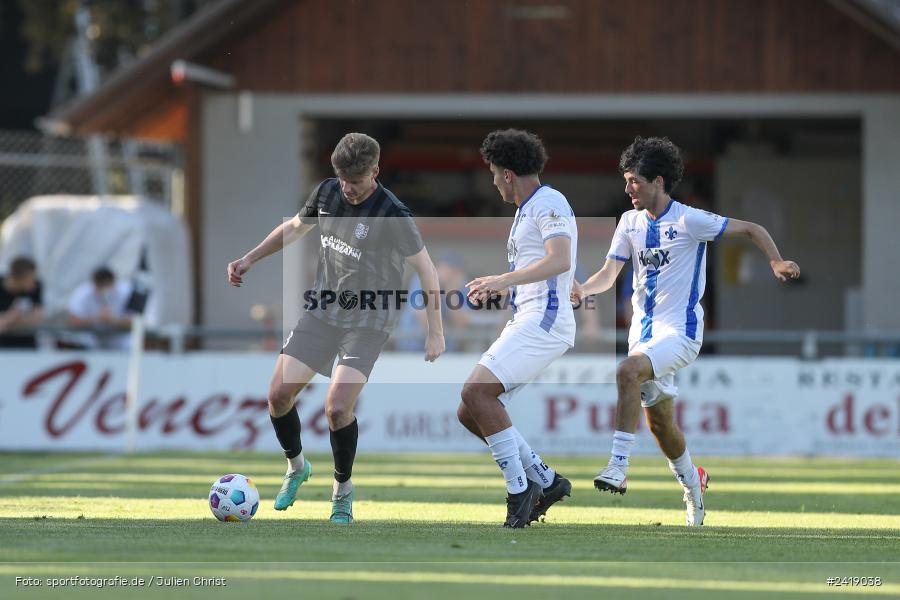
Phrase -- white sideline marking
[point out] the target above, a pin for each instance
(57, 468)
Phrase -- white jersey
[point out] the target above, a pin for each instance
(545, 214)
(669, 258)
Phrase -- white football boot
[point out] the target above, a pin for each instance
(611, 479)
(694, 499)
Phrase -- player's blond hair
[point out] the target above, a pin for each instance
(355, 156)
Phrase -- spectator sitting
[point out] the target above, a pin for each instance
(100, 304)
(20, 304)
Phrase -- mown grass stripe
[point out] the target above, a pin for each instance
(549, 580)
(490, 482)
(62, 507)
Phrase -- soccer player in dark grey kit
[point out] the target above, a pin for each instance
(367, 235)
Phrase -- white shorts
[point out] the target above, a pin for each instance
(521, 352)
(667, 354)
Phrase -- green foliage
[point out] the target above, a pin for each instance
(121, 29)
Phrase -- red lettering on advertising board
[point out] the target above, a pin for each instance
(874, 416)
(154, 411)
(600, 417)
(596, 412)
(216, 414)
(841, 418)
(558, 408)
(215, 405)
(115, 405)
(715, 418)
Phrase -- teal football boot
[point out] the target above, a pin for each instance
(288, 493)
(342, 508)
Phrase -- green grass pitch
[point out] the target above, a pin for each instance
(428, 527)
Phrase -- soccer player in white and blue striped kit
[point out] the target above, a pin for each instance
(541, 249)
(666, 240)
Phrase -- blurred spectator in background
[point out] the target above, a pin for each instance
(412, 324)
(100, 305)
(587, 319)
(20, 304)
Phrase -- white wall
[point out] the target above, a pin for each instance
(881, 215)
(727, 406)
(251, 182)
(811, 208)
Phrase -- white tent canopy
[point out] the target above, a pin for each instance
(68, 237)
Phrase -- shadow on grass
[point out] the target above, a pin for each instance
(445, 581)
(51, 539)
(490, 492)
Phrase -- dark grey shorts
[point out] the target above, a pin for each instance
(316, 344)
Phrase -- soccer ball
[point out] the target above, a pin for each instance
(233, 498)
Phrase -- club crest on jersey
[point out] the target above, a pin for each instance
(511, 250)
(654, 257)
(362, 230)
(671, 233)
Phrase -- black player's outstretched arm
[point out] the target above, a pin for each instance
(434, 341)
(286, 233)
(783, 269)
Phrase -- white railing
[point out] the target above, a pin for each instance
(808, 344)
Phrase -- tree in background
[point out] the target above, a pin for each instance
(120, 30)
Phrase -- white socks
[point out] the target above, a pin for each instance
(685, 471)
(297, 463)
(621, 449)
(341, 489)
(505, 450)
(534, 467)
(683, 467)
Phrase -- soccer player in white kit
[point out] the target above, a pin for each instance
(666, 240)
(541, 249)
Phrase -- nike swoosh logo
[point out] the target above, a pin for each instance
(349, 357)
(322, 212)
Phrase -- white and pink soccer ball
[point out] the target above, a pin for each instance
(233, 498)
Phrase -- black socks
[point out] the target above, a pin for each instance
(287, 430)
(343, 442)
(343, 446)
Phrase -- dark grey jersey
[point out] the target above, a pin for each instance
(362, 250)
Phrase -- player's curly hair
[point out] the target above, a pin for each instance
(522, 152)
(652, 157)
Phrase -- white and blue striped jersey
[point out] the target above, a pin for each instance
(543, 215)
(669, 257)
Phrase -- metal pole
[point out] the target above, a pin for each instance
(132, 392)
(810, 348)
(88, 78)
